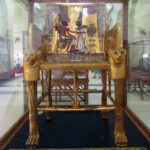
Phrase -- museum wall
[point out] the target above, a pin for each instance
(3, 18)
(114, 14)
(13, 20)
(17, 23)
(139, 27)
(138, 18)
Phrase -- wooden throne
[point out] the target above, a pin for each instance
(112, 63)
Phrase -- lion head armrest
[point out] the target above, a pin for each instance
(117, 63)
(114, 53)
(32, 60)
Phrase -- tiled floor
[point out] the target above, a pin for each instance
(12, 102)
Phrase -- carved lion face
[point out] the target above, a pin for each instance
(118, 56)
(31, 57)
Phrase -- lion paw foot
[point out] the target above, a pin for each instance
(121, 140)
(32, 141)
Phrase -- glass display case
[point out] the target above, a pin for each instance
(138, 64)
(139, 78)
(13, 106)
(80, 55)
(66, 41)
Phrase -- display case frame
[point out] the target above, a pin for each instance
(31, 76)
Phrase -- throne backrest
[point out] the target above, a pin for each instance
(35, 34)
(112, 40)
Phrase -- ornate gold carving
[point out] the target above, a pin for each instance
(109, 83)
(75, 65)
(112, 39)
(104, 93)
(120, 138)
(117, 63)
(75, 103)
(81, 108)
(44, 49)
(42, 84)
(33, 139)
(48, 92)
(31, 65)
(116, 57)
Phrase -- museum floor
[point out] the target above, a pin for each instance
(78, 130)
(12, 107)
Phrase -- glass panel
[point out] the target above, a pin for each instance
(69, 32)
(13, 100)
(75, 31)
(139, 60)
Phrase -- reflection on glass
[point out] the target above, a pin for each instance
(13, 24)
(139, 60)
(80, 26)
(74, 31)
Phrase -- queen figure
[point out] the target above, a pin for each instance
(81, 38)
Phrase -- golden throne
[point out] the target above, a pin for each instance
(112, 63)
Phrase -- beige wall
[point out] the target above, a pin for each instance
(3, 18)
(139, 12)
(115, 14)
(14, 22)
(18, 22)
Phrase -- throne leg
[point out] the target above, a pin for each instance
(33, 139)
(48, 96)
(42, 86)
(104, 93)
(75, 102)
(109, 83)
(119, 133)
